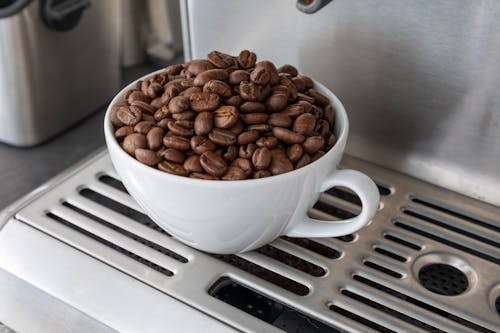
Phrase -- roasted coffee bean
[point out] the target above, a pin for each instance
(171, 90)
(306, 105)
(303, 161)
(280, 120)
(246, 151)
(304, 124)
(279, 163)
(235, 100)
(154, 138)
(317, 112)
(294, 152)
(280, 89)
(261, 158)
(248, 137)
(313, 143)
(238, 127)
(226, 116)
(238, 76)
(254, 118)
(294, 110)
(147, 156)
(221, 60)
(173, 168)
(192, 164)
(178, 104)
(234, 173)
(330, 141)
(203, 123)
(262, 128)
(113, 115)
(260, 76)
(212, 74)
(187, 83)
(222, 137)
(292, 90)
(276, 102)
(191, 91)
(261, 174)
(157, 103)
(269, 142)
(177, 129)
(143, 127)
(164, 123)
(161, 113)
(299, 84)
(218, 87)
(148, 117)
(307, 81)
(185, 123)
(134, 141)
(154, 90)
(186, 115)
(252, 107)
(213, 164)
(244, 164)
(288, 69)
(173, 155)
(317, 155)
(288, 136)
(271, 69)
(137, 95)
(203, 175)
(250, 91)
(197, 66)
(144, 107)
(329, 114)
(231, 153)
(304, 97)
(200, 145)
(322, 128)
(247, 59)
(129, 115)
(123, 131)
(204, 101)
(321, 99)
(173, 69)
(176, 142)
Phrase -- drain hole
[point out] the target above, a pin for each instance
(360, 319)
(443, 279)
(120, 208)
(334, 211)
(402, 242)
(314, 247)
(266, 309)
(389, 254)
(345, 194)
(497, 304)
(263, 273)
(382, 269)
(113, 182)
(291, 260)
(346, 238)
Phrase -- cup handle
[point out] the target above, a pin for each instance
(366, 190)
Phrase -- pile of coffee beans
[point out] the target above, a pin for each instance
(225, 117)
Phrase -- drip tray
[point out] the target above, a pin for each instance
(428, 261)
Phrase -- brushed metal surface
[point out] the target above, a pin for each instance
(377, 290)
(419, 80)
(51, 79)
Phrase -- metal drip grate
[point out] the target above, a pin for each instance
(395, 275)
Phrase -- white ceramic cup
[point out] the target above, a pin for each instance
(237, 216)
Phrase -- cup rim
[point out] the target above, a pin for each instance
(112, 143)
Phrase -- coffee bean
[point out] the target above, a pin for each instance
(254, 118)
(299, 84)
(329, 114)
(246, 151)
(235, 100)
(280, 89)
(322, 128)
(238, 76)
(178, 104)
(319, 97)
(204, 101)
(292, 90)
(154, 90)
(154, 138)
(226, 116)
(147, 156)
(250, 91)
(304, 124)
(222, 137)
(173, 69)
(280, 120)
(262, 128)
(172, 168)
(200, 145)
(252, 107)
(161, 113)
(279, 163)
(234, 173)
(330, 141)
(303, 161)
(304, 97)
(144, 107)
(202, 175)
(186, 115)
(176, 142)
(212, 74)
(113, 115)
(148, 117)
(143, 127)
(191, 91)
(213, 163)
(269, 142)
(221, 60)
(197, 66)
(129, 115)
(218, 87)
(308, 83)
(247, 59)
(134, 141)
(203, 123)
(293, 110)
(261, 158)
(164, 123)
(137, 95)
(173, 155)
(261, 174)
(317, 155)
(294, 152)
(177, 129)
(185, 123)
(231, 153)
(306, 105)
(271, 69)
(157, 103)
(192, 164)
(123, 131)
(317, 112)
(288, 69)
(313, 143)
(276, 102)
(287, 136)
(238, 128)
(244, 164)
(247, 137)
(260, 76)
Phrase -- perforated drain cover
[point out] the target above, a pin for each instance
(443, 279)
